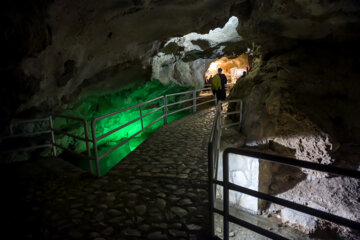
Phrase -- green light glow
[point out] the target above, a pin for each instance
(95, 106)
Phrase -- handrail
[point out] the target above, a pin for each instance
(180, 110)
(213, 154)
(227, 186)
(94, 140)
(290, 162)
(21, 135)
(164, 116)
(128, 139)
(296, 163)
(126, 109)
(177, 94)
(70, 135)
(86, 139)
(182, 101)
(127, 124)
(18, 122)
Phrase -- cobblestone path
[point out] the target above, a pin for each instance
(159, 191)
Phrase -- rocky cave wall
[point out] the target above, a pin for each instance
(60, 51)
(300, 103)
(57, 52)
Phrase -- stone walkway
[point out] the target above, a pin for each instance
(159, 191)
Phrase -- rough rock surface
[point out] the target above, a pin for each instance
(299, 103)
(57, 51)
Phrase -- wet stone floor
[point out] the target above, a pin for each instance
(159, 191)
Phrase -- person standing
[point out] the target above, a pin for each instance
(218, 84)
(223, 85)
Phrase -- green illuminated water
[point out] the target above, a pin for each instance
(95, 106)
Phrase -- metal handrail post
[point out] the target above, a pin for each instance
(86, 131)
(211, 189)
(141, 118)
(226, 195)
(220, 123)
(241, 110)
(194, 101)
(165, 109)
(52, 135)
(95, 147)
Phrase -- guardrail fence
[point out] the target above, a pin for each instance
(168, 104)
(14, 136)
(214, 148)
(214, 144)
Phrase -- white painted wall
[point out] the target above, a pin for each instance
(243, 171)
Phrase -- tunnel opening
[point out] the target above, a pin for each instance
(233, 68)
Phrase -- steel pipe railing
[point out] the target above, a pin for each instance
(213, 153)
(179, 102)
(85, 139)
(25, 135)
(165, 106)
(227, 186)
(95, 139)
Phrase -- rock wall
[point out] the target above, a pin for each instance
(59, 51)
(300, 103)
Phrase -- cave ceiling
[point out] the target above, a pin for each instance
(55, 50)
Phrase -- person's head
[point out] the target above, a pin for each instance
(244, 73)
(219, 70)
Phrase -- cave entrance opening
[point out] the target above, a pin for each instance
(233, 68)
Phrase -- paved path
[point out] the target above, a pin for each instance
(158, 192)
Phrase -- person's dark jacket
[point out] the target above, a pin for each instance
(222, 95)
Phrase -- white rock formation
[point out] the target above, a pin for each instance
(170, 68)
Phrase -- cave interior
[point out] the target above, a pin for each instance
(293, 63)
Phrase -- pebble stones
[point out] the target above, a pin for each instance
(180, 212)
(140, 209)
(157, 236)
(131, 232)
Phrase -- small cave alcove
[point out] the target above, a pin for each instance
(233, 67)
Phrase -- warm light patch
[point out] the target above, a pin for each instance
(233, 68)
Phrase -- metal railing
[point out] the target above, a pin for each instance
(214, 148)
(85, 139)
(168, 104)
(31, 134)
(227, 186)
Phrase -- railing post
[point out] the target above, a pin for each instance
(211, 189)
(226, 194)
(95, 147)
(241, 110)
(165, 109)
(86, 132)
(194, 101)
(141, 118)
(52, 136)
